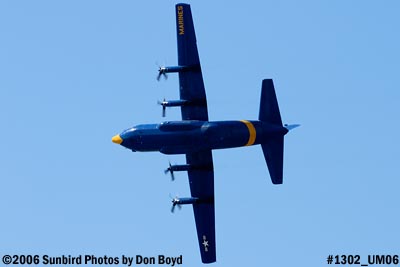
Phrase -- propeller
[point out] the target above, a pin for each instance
(175, 202)
(164, 107)
(169, 169)
(162, 72)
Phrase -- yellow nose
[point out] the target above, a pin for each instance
(117, 139)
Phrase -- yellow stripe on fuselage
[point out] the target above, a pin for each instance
(252, 132)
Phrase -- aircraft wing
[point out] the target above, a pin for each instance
(191, 85)
(201, 180)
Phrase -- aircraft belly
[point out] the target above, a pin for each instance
(173, 142)
(208, 136)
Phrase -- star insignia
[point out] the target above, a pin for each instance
(205, 243)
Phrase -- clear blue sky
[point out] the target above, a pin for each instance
(74, 73)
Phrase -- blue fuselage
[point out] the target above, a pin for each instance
(180, 137)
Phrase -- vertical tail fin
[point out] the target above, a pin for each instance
(273, 148)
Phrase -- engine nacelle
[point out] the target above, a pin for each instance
(177, 168)
(183, 201)
(180, 168)
(169, 69)
(162, 71)
(174, 103)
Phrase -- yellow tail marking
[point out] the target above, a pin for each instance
(252, 132)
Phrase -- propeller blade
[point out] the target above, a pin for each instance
(175, 202)
(169, 169)
(161, 71)
(175, 205)
(164, 107)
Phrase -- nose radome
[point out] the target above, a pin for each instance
(117, 139)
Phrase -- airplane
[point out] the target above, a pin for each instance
(195, 136)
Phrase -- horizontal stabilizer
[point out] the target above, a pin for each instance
(269, 109)
(273, 153)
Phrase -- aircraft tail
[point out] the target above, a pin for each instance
(273, 148)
